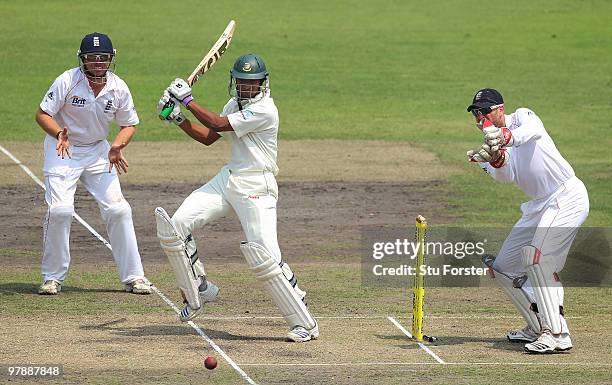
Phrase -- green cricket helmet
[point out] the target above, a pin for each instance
(249, 67)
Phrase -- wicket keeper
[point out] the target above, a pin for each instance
(518, 149)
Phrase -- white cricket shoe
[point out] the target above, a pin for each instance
(50, 287)
(210, 294)
(301, 334)
(139, 286)
(547, 343)
(526, 334)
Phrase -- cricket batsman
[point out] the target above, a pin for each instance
(518, 149)
(246, 185)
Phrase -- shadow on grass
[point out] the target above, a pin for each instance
(179, 329)
(495, 343)
(16, 288)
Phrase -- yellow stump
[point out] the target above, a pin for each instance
(418, 289)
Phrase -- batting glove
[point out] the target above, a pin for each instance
(181, 91)
(175, 116)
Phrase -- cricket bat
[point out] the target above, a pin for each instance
(209, 59)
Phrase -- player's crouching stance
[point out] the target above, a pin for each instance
(246, 184)
(76, 114)
(518, 149)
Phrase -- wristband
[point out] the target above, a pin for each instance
(57, 135)
(187, 100)
(507, 137)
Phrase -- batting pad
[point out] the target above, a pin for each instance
(546, 288)
(268, 271)
(185, 268)
(517, 295)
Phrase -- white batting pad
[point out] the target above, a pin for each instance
(547, 288)
(185, 269)
(517, 295)
(268, 271)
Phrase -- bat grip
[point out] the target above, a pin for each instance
(163, 115)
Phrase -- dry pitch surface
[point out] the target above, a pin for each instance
(102, 335)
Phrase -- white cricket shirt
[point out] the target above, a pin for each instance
(534, 164)
(254, 138)
(71, 102)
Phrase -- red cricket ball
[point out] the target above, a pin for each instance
(210, 363)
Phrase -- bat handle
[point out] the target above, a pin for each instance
(163, 115)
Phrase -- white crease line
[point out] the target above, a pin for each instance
(206, 338)
(157, 291)
(425, 348)
(41, 184)
(366, 364)
(263, 317)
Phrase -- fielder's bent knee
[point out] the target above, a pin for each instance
(117, 210)
(61, 211)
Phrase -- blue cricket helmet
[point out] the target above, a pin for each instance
(96, 43)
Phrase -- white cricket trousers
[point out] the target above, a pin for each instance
(550, 224)
(252, 195)
(89, 164)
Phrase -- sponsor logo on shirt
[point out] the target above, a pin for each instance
(78, 101)
(247, 114)
(50, 95)
(108, 106)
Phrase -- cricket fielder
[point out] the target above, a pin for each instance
(518, 149)
(76, 114)
(246, 185)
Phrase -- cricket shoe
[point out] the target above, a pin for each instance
(139, 286)
(209, 294)
(50, 287)
(301, 334)
(526, 334)
(547, 343)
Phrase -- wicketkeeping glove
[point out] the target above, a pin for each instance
(482, 154)
(497, 137)
(181, 91)
(496, 159)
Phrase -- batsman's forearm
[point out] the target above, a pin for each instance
(202, 134)
(47, 123)
(124, 136)
(208, 118)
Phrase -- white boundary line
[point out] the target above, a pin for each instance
(406, 332)
(157, 291)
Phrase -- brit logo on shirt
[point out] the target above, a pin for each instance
(78, 101)
(50, 95)
(108, 106)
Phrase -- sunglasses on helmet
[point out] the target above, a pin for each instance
(485, 110)
(96, 57)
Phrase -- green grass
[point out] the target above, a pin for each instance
(392, 70)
